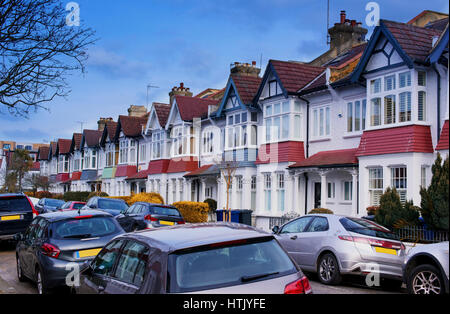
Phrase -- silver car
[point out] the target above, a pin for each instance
(425, 269)
(220, 258)
(332, 246)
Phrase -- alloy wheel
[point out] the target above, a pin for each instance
(426, 282)
(327, 268)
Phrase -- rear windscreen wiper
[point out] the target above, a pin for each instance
(78, 236)
(256, 277)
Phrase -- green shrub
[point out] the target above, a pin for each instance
(43, 194)
(321, 211)
(76, 196)
(193, 212)
(100, 194)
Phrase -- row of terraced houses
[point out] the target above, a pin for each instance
(332, 133)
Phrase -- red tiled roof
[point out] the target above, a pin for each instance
(187, 164)
(329, 158)
(191, 107)
(162, 112)
(295, 75)
(158, 166)
(406, 139)
(132, 126)
(36, 166)
(443, 140)
(415, 41)
(198, 171)
(92, 137)
(280, 152)
(76, 176)
(140, 175)
(43, 153)
(111, 127)
(61, 177)
(64, 146)
(77, 137)
(125, 171)
(247, 86)
(53, 146)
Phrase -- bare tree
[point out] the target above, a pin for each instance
(228, 170)
(37, 52)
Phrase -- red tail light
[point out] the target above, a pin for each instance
(32, 207)
(84, 217)
(373, 242)
(50, 250)
(181, 222)
(301, 286)
(150, 218)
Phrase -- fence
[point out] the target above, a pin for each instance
(277, 221)
(422, 235)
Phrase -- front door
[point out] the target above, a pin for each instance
(317, 194)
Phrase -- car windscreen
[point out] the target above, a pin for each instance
(54, 203)
(214, 267)
(13, 204)
(112, 204)
(84, 228)
(166, 211)
(368, 228)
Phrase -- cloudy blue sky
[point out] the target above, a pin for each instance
(165, 42)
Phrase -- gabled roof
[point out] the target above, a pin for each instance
(245, 88)
(43, 152)
(53, 146)
(440, 47)
(162, 112)
(131, 126)
(292, 76)
(76, 142)
(412, 43)
(438, 24)
(63, 146)
(91, 138)
(109, 132)
(190, 108)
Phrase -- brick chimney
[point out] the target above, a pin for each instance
(343, 36)
(245, 69)
(137, 111)
(346, 34)
(180, 91)
(102, 123)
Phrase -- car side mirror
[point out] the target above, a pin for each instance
(86, 268)
(276, 229)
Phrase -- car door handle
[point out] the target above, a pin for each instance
(294, 238)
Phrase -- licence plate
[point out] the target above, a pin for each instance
(386, 251)
(167, 223)
(10, 218)
(87, 253)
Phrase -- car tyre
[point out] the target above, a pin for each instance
(20, 274)
(328, 270)
(40, 282)
(425, 279)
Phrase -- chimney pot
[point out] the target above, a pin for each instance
(343, 16)
(181, 85)
(254, 63)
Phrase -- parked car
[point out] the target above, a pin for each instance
(16, 214)
(142, 216)
(109, 205)
(333, 245)
(72, 205)
(48, 205)
(425, 269)
(55, 240)
(210, 258)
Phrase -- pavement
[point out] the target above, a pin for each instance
(9, 283)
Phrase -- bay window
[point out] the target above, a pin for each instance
(375, 185)
(142, 152)
(281, 191)
(238, 132)
(183, 142)
(110, 154)
(399, 181)
(405, 107)
(157, 144)
(389, 109)
(268, 191)
(123, 151)
(132, 152)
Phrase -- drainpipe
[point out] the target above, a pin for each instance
(438, 101)
(307, 125)
(306, 192)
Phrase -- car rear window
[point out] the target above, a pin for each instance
(368, 228)
(84, 228)
(112, 204)
(15, 203)
(216, 267)
(78, 206)
(166, 211)
(53, 203)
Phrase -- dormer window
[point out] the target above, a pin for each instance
(157, 144)
(274, 88)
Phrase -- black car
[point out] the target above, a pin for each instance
(210, 258)
(48, 205)
(109, 205)
(56, 242)
(16, 214)
(142, 216)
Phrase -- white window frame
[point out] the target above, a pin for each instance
(358, 121)
(321, 122)
(399, 181)
(376, 185)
